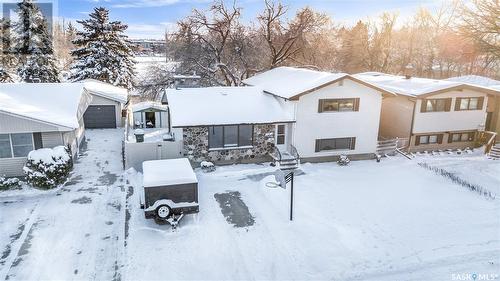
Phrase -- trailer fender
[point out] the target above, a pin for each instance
(171, 204)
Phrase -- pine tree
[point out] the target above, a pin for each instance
(33, 45)
(39, 68)
(6, 58)
(103, 51)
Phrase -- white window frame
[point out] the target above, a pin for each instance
(12, 146)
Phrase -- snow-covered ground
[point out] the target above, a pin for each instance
(368, 221)
(143, 64)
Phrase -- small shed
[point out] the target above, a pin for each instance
(150, 114)
(169, 186)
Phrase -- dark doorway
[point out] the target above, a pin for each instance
(150, 120)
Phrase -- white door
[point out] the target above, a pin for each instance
(281, 137)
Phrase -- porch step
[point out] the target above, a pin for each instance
(405, 154)
(495, 152)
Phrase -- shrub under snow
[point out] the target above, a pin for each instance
(48, 167)
(6, 184)
(207, 167)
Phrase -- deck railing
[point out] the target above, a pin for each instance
(488, 139)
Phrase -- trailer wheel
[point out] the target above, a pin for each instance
(163, 212)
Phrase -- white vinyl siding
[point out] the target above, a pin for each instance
(13, 124)
(52, 139)
(312, 125)
(12, 167)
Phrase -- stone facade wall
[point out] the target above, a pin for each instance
(196, 147)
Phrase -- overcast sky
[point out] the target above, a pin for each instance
(150, 18)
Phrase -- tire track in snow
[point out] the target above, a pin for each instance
(15, 251)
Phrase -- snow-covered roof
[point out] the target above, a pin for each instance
(54, 103)
(167, 172)
(288, 82)
(413, 86)
(148, 105)
(226, 106)
(106, 90)
(476, 80)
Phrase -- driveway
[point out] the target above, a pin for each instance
(76, 231)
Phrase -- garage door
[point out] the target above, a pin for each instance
(100, 116)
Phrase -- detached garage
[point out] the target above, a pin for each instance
(105, 110)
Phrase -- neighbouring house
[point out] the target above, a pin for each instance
(493, 108)
(286, 113)
(431, 114)
(41, 115)
(107, 107)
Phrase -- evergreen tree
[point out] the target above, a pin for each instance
(33, 45)
(39, 68)
(6, 58)
(103, 51)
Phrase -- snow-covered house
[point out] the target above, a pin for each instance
(431, 114)
(493, 106)
(298, 112)
(227, 124)
(41, 115)
(108, 102)
(335, 113)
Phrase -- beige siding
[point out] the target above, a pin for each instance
(14, 124)
(494, 106)
(395, 118)
(12, 167)
(98, 100)
(51, 139)
(452, 120)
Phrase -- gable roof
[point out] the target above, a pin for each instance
(140, 106)
(54, 103)
(106, 90)
(290, 83)
(226, 106)
(418, 87)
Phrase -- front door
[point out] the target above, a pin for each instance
(281, 139)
